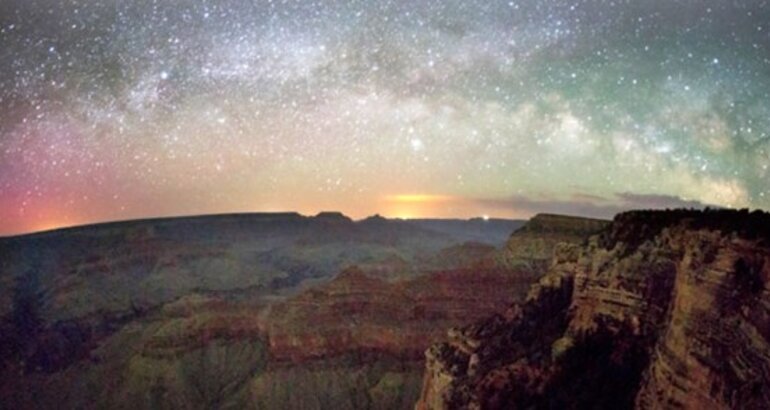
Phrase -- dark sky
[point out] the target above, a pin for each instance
(125, 109)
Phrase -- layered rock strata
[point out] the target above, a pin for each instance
(664, 309)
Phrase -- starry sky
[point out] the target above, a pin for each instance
(113, 110)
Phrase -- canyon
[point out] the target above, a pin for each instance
(233, 310)
(655, 309)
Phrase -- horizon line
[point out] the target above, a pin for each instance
(98, 223)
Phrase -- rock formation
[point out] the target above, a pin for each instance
(665, 309)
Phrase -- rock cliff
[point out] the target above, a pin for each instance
(665, 309)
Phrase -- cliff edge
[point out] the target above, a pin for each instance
(663, 309)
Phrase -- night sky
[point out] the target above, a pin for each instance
(114, 110)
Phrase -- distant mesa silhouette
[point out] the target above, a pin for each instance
(333, 216)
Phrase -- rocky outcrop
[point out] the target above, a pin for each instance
(534, 243)
(664, 309)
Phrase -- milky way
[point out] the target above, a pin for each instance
(116, 110)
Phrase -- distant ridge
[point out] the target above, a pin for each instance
(543, 223)
(333, 216)
(242, 217)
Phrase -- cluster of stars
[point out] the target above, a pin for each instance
(113, 110)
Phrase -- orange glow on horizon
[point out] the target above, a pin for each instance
(411, 206)
(53, 224)
(42, 218)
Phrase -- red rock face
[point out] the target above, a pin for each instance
(357, 312)
(714, 353)
(662, 310)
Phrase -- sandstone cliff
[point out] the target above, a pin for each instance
(664, 309)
